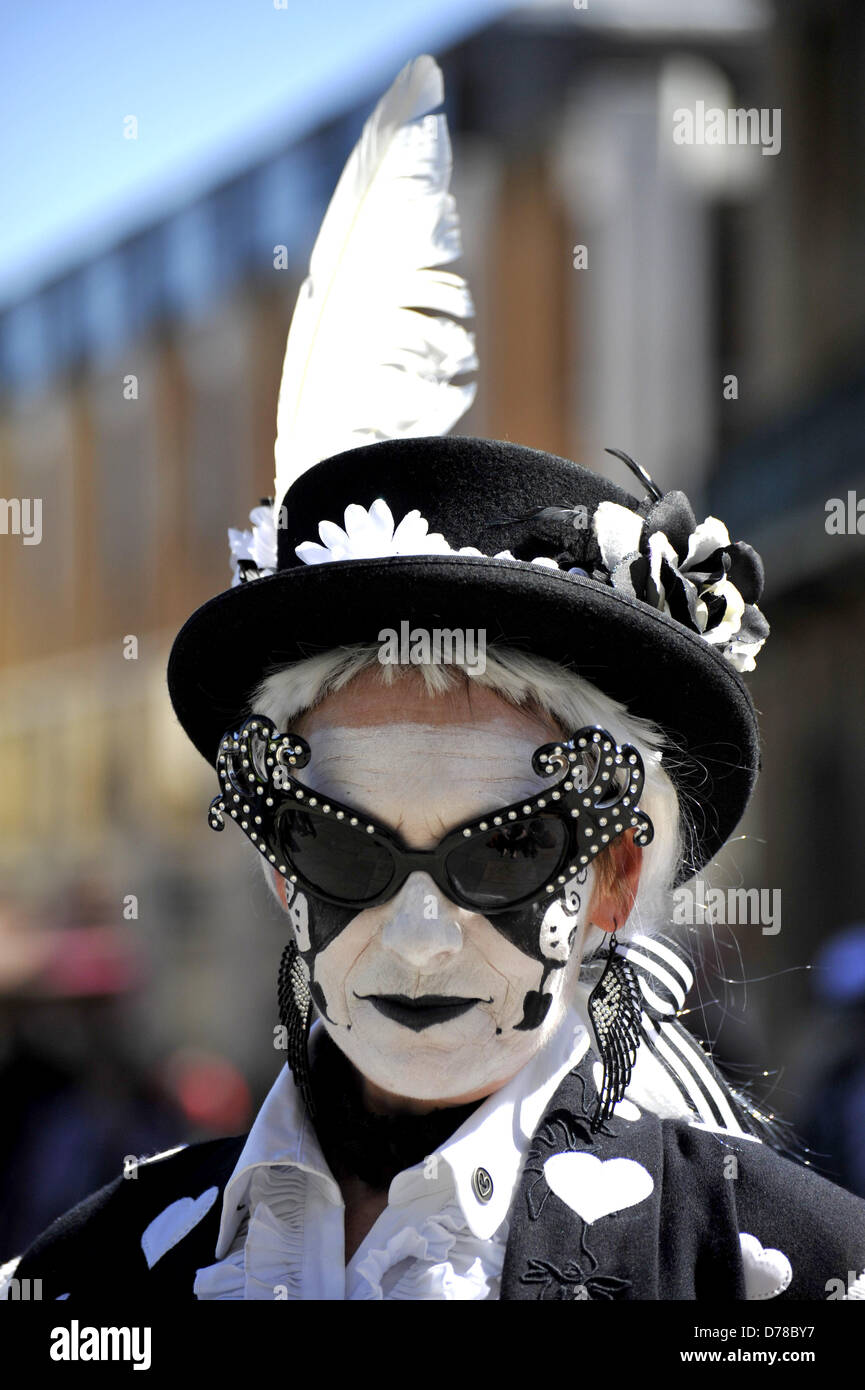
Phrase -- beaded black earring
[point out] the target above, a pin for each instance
(295, 1015)
(615, 1009)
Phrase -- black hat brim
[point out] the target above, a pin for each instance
(652, 664)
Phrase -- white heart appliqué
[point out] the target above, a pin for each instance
(173, 1223)
(594, 1189)
(767, 1272)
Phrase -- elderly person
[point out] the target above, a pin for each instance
(475, 735)
(488, 1095)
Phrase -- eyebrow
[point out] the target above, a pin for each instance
(439, 825)
(444, 830)
(324, 761)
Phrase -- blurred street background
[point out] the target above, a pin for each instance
(712, 325)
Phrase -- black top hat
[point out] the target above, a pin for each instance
(633, 595)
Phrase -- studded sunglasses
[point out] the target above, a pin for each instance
(492, 863)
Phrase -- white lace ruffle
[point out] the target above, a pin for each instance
(223, 1280)
(266, 1257)
(439, 1260)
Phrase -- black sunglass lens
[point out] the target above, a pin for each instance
(508, 864)
(335, 857)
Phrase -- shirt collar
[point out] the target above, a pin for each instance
(494, 1139)
(483, 1156)
(282, 1134)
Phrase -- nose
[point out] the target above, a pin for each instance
(421, 923)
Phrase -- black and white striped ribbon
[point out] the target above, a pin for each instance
(665, 979)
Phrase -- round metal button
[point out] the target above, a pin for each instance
(482, 1184)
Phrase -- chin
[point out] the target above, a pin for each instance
(420, 1068)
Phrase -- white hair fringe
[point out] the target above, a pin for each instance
(525, 680)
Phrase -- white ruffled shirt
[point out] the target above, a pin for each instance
(282, 1233)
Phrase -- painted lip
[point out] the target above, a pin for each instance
(423, 1010)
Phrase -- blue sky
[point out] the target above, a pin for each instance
(213, 85)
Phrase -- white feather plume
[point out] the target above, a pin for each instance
(361, 363)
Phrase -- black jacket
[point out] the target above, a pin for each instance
(681, 1212)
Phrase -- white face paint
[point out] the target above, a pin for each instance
(422, 779)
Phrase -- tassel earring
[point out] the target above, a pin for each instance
(295, 1015)
(615, 1009)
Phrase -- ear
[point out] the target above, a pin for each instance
(611, 905)
(279, 884)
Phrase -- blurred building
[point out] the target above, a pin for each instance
(139, 401)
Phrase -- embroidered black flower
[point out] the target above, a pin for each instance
(570, 1284)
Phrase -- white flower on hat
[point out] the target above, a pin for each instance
(710, 535)
(364, 535)
(257, 546)
(367, 534)
(373, 533)
(731, 621)
(618, 531)
(741, 654)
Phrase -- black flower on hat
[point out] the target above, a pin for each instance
(695, 573)
(660, 556)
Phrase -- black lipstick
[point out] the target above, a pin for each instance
(422, 1011)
